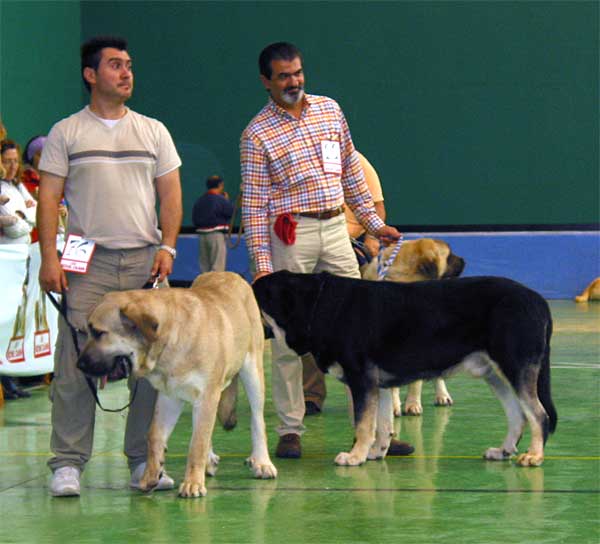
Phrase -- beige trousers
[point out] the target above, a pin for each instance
(321, 245)
(73, 406)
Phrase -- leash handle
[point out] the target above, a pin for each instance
(61, 308)
(383, 267)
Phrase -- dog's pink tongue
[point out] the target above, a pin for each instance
(103, 381)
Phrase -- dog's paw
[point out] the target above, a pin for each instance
(412, 408)
(496, 454)
(212, 463)
(377, 452)
(149, 480)
(262, 469)
(190, 489)
(443, 400)
(348, 459)
(530, 460)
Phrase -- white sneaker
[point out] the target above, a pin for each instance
(165, 482)
(65, 482)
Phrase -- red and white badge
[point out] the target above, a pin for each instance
(41, 344)
(77, 254)
(332, 158)
(15, 353)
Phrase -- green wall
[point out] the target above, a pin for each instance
(39, 65)
(472, 112)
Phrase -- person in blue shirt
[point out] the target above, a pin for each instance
(211, 215)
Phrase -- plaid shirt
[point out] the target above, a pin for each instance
(282, 171)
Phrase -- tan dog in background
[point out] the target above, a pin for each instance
(190, 344)
(418, 260)
(591, 292)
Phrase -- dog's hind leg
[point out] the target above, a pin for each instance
(204, 415)
(514, 414)
(385, 425)
(442, 397)
(252, 377)
(365, 413)
(536, 416)
(166, 413)
(397, 403)
(412, 404)
(479, 365)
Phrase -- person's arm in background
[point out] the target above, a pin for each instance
(52, 276)
(168, 188)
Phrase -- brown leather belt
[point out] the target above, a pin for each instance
(323, 215)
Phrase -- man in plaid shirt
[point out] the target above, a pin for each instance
(299, 166)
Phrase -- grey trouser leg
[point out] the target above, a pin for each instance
(213, 252)
(73, 406)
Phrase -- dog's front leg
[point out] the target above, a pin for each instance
(203, 416)
(166, 413)
(385, 425)
(365, 414)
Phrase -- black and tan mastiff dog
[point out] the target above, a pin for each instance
(373, 335)
(190, 344)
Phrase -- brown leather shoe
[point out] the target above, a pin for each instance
(289, 447)
(398, 448)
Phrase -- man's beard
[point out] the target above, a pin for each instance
(292, 99)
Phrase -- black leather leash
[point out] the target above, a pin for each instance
(62, 310)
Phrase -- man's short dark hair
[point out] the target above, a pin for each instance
(276, 51)
(91, 52)
(213, 182)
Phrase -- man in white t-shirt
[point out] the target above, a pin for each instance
(110, 163)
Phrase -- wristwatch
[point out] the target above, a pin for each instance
(170, 250)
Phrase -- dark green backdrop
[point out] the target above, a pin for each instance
(472, 112)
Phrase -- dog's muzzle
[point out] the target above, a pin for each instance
(119, 369)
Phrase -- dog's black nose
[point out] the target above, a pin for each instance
(83, 363)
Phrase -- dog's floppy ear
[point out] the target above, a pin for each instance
(429, 269)
(133, 316)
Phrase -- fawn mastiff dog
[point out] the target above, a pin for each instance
(374, 335)
(418, 260)
(190, 344)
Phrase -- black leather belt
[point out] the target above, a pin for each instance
(328, 214)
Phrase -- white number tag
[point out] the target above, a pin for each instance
(332, 158)
(77, 254)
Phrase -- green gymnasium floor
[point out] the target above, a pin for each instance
(445, 492)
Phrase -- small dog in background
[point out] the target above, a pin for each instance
(591, 292)
(418, 260)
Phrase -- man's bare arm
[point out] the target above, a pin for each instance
(52, 276)
(168, 188)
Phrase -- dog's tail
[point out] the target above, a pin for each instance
(226, 412)
(543, 386)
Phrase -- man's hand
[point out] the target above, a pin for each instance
(388, 234)
(163, 265)
(52, 276)
(372, 245)
(259, 275)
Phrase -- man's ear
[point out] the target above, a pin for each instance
(89, 74)
(137, 319)
(266, 82)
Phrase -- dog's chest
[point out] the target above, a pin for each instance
(187, 388)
